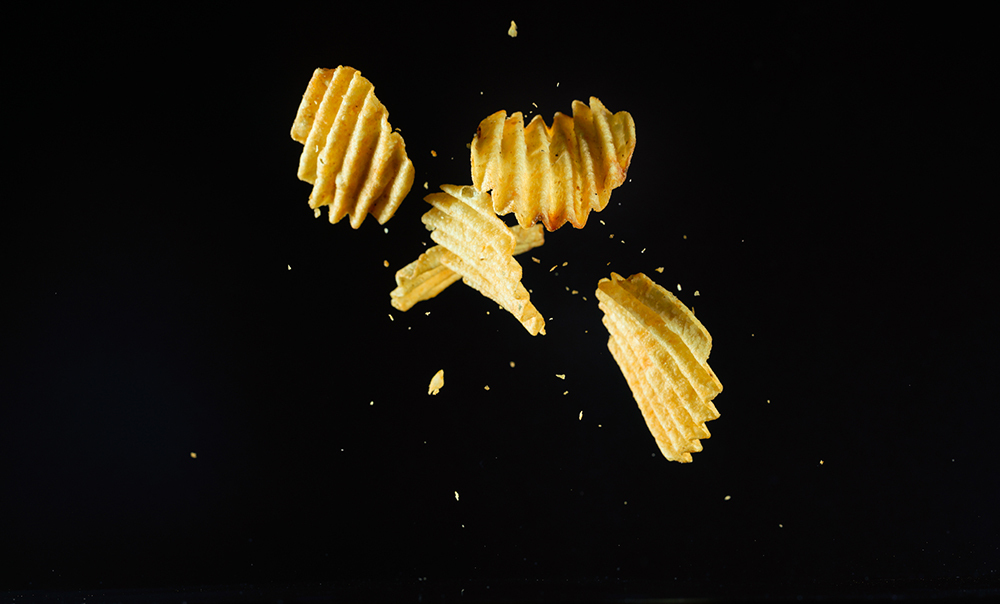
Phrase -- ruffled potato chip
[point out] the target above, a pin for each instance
(553, 174)
(475, 244)
(662, 350)
(355, 162)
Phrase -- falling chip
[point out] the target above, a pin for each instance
(659, 270)
(390, 317)
(512, 32)
(512, 363)
(437, 382)
(678, 287)
(727, 498)
(386, 263)
(561, 376)
(696, 293)
(581, 415)
(289, 267)
(194, 455)
(456, 499)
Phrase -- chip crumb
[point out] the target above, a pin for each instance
(425, 184)
(781, 526)
(427, 313)
(727, 497)
(565, 393)
(386, 230)
(685, 236)
(512, 32)
(533, 104)
(386, 263)
(194, 455)
(536, 260)
(289, 267)
(574, 292)
(315, 212)
(561, 376)
(581, 415)
(643, 251)
(512, 363)
(371, 403)
(768, 401)
(554, 267)
(390, 317)
(696, 293)
(678, 287)
(821, 462)
(456, 499)
(486, 387)
(659, 270)
(437, 382)
(565, 263)
(433, 153)
(611, 236)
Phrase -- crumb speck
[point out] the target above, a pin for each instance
(433, 153)
(425, 184)
(194, 455)
(386, 263)
(512, 32)
(486, 387)
(390, 317)
(727, 498)
(456, 499)
(659, 270)
(561, 376)
(512, 363)
(289, 267)
(696, 293)
(678, 287)
(536, 260)
(581, 415)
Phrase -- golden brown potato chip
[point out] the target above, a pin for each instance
(437, 382)
(426, 277)
(354, 160)
(662, 350)
(474, 243)
(556, 173)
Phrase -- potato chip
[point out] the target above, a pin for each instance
(426, 277)
(553, 174)
(474, 243)
(437, 382)
(354, 160)
(662, 350)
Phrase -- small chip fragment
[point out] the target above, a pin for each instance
(456, 495)
(512, 32)
(437, 382)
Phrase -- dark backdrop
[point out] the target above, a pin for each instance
(819, 174)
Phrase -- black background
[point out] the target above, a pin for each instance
(821, 176)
